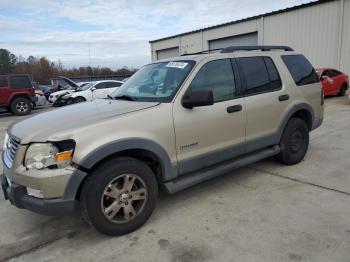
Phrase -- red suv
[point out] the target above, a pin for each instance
(333, 81)
(16, 94)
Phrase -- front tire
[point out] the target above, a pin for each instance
(294, 142)
(79, 99)
(21, 106)
(119, 196)
(343, 89)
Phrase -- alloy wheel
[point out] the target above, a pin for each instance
(124, 198)
(22, 107)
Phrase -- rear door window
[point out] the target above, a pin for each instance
(275, 80)
(113, 84)
(301, 69)
(20, 82)
(3, 82)
(260, 74)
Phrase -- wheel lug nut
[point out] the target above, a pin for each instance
(126, 202)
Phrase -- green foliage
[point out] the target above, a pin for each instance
(42, 70)
(7, 61)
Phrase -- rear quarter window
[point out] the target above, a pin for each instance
(301, 69)
(20, 82)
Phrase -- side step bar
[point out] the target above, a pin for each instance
(196, 177)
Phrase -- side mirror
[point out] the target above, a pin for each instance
(93, 89)
(198, 98)
(324, 77)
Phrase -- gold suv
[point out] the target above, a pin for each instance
(173, 124)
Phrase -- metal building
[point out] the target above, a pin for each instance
(320, 30)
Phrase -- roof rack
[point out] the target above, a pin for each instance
(231, 49)
(203, 52)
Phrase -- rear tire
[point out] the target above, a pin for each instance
(294, 142)
(343, 89)
(119, 196)
(21, 106)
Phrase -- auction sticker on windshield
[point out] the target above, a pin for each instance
(180, 65)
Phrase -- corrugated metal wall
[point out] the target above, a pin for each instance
(315, 31)
(311, 30)
(345, 43)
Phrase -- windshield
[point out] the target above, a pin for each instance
(155, 82)
(87, 86)
(71, 88)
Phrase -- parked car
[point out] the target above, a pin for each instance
(333, 81)
(173, 124)
(69, 88)
(66, 90)
(16, 94)
(69, 83)
(91, 91)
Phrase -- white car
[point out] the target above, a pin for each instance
(74, 86)
(52, 98)
(93, 90)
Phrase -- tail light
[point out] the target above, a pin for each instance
(322, 96)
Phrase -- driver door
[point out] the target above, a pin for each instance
(327, 83)
(100, 91)
(211, 134)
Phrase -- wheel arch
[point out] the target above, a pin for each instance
(145, 150)
(19, 95)
(303, 111)
(80, 96)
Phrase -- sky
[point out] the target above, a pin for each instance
(115, 31)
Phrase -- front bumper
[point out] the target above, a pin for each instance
(18, 197)
(61, 102)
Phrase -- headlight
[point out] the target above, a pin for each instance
(66, 96)
(6, 139)
(43, 155)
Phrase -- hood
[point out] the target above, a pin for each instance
(69, 81)
(80, 93)
(59, 93)
(40, 127)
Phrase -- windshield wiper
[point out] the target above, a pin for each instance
(123, 97)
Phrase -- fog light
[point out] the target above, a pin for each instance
(35, 192)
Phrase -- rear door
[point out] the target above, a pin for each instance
(327, 83)
(265, 97)
(337, 78)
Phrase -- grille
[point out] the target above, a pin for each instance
(10, 151)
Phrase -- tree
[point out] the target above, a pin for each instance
(7, 61)
(42, 69)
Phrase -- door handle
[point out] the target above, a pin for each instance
(283, 97)
(235, 108)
